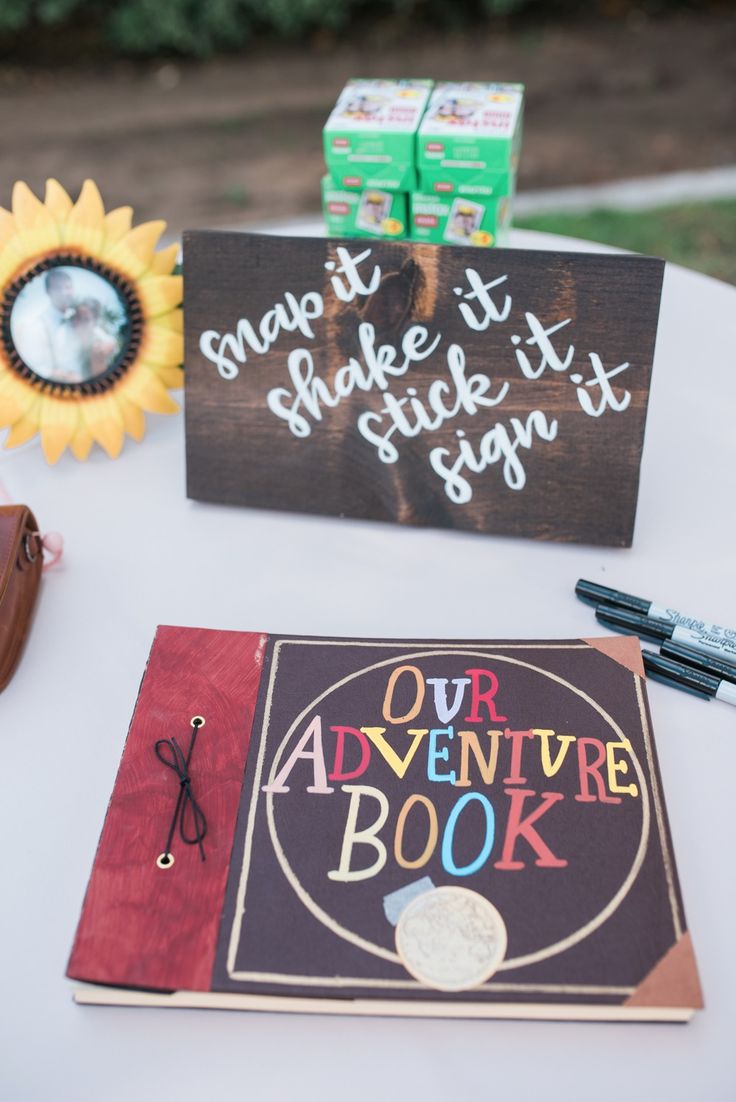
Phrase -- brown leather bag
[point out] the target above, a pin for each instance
(21, 561)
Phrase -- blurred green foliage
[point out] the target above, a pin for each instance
(701, 236)
(188, 27)
(199, 28)
(194, 28)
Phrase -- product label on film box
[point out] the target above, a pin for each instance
(455, 220)
(390, 177)
(374, 212)
(470, 183)
(372, 130)
(471, 127)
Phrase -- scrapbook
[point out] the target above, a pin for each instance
(395, 827)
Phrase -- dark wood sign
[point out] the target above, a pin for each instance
(499, 391)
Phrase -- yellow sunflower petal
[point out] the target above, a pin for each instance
(16, 398)
(158, 294)
(82, 441)
(105, 421)
(161, 346)
(85, 222)
(58, 422)
(117, 224)
(145, 389)
(9, 260)
(172, 377)
(24, 429)
(57, 201)
(8, 378)
(134, 252)
(27, 209)
(133, 418)
(41, 239)
(165, 260)
(173, 320)
(37, 229)
(7, 227)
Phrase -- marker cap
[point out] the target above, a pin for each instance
(726, 691)
(594, 594)
(679, 676)
(699, 660)
(619, 619)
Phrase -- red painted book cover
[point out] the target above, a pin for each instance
(393, 827)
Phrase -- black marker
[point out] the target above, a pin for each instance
(631, 623)
(688, 679)
(594, 594)
(723, 670)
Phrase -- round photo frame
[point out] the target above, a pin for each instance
(78, 346)
(90, 322)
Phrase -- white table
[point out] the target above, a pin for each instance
(139, 554)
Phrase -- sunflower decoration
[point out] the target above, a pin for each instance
(90, 322)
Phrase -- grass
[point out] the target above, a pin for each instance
(236, 196)
(697, 235)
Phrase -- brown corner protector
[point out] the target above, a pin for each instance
(673, 981)
(624, 649)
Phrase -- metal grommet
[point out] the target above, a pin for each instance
(197, 721)
(31, 556)
(165, 860)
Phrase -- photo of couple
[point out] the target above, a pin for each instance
(463, 221)
(456, 110)
(67, 325)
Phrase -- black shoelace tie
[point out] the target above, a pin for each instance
(188, 815)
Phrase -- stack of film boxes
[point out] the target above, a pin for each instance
(467, 155)
(370, 152)
(438, 164)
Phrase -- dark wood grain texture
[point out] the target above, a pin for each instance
(157, 928)
(581, 486)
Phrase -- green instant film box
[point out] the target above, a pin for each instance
(485, 185)
(470, 130)
(373, 212)
(369, 139)
(455, 220)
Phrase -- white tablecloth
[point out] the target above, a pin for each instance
(138, 553)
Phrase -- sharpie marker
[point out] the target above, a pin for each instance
(594, 594)
(689, 680)
(715, 667)
(631, 623)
